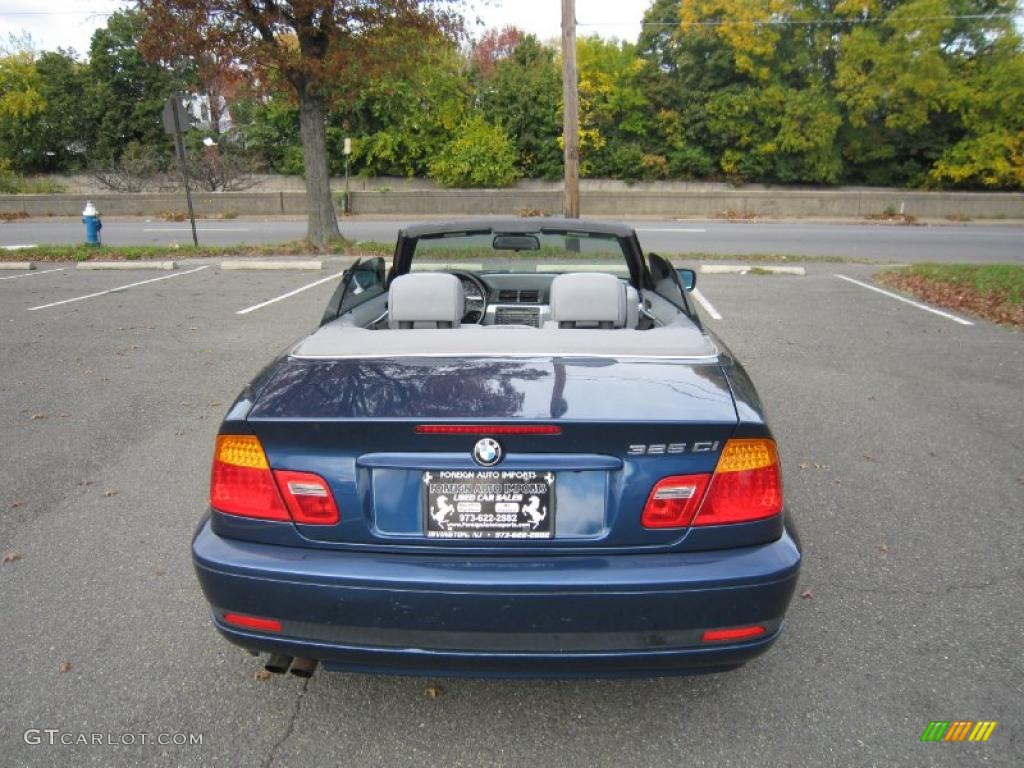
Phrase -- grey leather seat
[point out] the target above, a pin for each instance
(592, 300)
(425, 300)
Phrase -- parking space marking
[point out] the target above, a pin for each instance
(708, 306)
(288, 295)
(115, 290)
(671, 229)
(200, 230)
(17, 247)
(905, 300)
(33, 273)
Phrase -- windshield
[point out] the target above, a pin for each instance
(520, 252)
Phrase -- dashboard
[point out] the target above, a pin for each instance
(505, 299)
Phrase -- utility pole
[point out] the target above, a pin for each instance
(570, 109)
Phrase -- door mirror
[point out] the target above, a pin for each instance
(360, 282)
(687, 278)
(366, 276)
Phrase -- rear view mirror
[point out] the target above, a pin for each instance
(687, 278)
(516, 243)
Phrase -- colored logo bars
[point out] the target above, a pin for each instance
(958, 730)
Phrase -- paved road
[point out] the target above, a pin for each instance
(901, 434)
(888, 243)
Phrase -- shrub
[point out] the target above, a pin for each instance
(480, 155)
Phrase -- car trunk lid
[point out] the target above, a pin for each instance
(612, 429)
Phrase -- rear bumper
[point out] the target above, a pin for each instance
(560, 616)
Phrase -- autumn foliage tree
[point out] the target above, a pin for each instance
(316, 50)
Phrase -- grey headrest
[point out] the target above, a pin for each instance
(588, 299)
(431, 298)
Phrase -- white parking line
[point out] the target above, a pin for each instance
(16, 247)
(115, 290)
(706, 304)
(670, 229)
(199, 230)
(33, 274)
(905, 300)
(288, 295)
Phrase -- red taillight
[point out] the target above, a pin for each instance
(746, 486)
(487, 429)
(307, 496)
(241, 482)
(734, 633)
(673, 501)
(252, 622)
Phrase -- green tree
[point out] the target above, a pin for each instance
(21, 100)
(522, 92)
(60, 134)
(400, 123)
(127, 92)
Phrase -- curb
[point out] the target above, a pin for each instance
(309, 265)
(16, 265)
(127, 265)
(728, 269)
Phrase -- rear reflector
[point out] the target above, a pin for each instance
(252, 622)
(241, 482)
(734, 633)
(308, 497)
(487, 429)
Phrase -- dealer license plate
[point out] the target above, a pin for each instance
(489, 505)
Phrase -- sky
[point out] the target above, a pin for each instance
(70, 23)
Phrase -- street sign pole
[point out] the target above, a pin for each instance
(174, 107)
(348, 157)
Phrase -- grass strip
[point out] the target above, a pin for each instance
(992, 291)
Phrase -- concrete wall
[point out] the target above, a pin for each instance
(611, 200)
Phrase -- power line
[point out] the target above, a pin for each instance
(57, 13)
(803, 22)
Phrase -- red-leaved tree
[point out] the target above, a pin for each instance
(315, 49)
(495, 45)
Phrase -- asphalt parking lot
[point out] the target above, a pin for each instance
(902, 436)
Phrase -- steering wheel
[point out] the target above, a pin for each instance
(475, 292)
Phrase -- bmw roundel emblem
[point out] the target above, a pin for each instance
(487, 452)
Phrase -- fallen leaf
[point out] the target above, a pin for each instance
(38, 416)
(837, 482)
(86, 483)
(869, 457)
(807, 594)
(433, 691)
(19, 503)
(804, 465)
(883, 548)
(64, 666)
(261, 675)
(10, 556)
(111, 492)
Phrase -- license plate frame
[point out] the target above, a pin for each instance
(491, 505)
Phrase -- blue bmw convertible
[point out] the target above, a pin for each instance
(514, 451)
